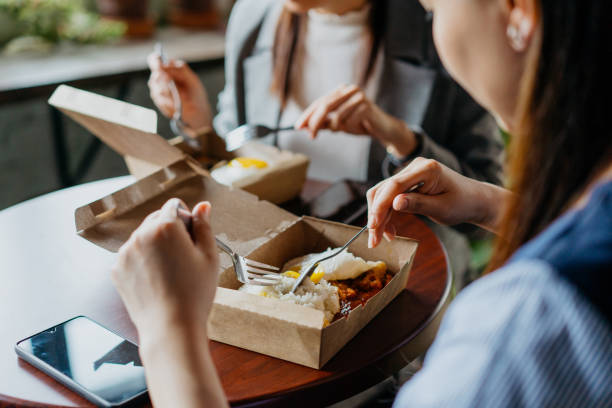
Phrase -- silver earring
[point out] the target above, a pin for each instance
(517, 38)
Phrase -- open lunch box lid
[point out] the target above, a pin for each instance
(131, 131)
(250, 226)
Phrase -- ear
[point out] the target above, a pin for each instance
(523, 20)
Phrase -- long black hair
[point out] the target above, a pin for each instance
(564, 138)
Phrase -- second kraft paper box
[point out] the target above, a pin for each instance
(131, 131)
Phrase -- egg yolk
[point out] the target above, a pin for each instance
(317, 275)
(246, 162)
(292, 274)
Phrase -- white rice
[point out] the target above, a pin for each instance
(321, 296)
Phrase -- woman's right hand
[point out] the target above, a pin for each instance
(446, 197)
(196, 112)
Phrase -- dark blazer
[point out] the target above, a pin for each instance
(414, 87)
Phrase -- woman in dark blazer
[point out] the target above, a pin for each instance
(406, 86)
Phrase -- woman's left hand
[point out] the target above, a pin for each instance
(167, 280)
(163, 276)
(349, 110)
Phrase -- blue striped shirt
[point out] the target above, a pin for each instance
(536, 333)
(520, 337)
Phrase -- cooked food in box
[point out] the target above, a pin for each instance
(238, 169)
(337, 285)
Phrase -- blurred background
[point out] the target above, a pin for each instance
(97, 45)
(100, 46)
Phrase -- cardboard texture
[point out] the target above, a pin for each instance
(131, 131)
(252, 227)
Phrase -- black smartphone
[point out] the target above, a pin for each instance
(89, 359)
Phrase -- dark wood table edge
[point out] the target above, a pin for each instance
(296, 396)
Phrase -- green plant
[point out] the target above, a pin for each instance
(56, 20)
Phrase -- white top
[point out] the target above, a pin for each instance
(333, 51)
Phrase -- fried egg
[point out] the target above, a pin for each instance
(316, 292)
(345, 265)
(238, 169)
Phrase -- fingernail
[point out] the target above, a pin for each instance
(402, 204)
(207, 213)
(203, 211)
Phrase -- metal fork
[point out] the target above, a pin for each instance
(250, 271)
(314, 264)
(247, 270)
(242, 134)
(176, 121)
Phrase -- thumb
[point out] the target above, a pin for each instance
(202, 232)
(423, 204)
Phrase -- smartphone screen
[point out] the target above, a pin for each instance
(97, 360)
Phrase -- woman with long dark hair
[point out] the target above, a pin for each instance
(535, 332)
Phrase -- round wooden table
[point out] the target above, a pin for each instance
(50, 274)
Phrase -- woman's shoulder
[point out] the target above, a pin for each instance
(525, 292)
(522, 336)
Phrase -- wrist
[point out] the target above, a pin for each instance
(490, 208)
(198, 114)
(403, 142)
(168, 326)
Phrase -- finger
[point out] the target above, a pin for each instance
(204, 238)
(346, 109)
(169, 210)
(382, 201)
(423, 204)
(161, 94)
(164, 104)
(154, 61)
(354, 122)
(180, 72)
(305, 117)
(381, 208)
(319, 117)
(370, 196)
(154, 215)
(379, 232)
